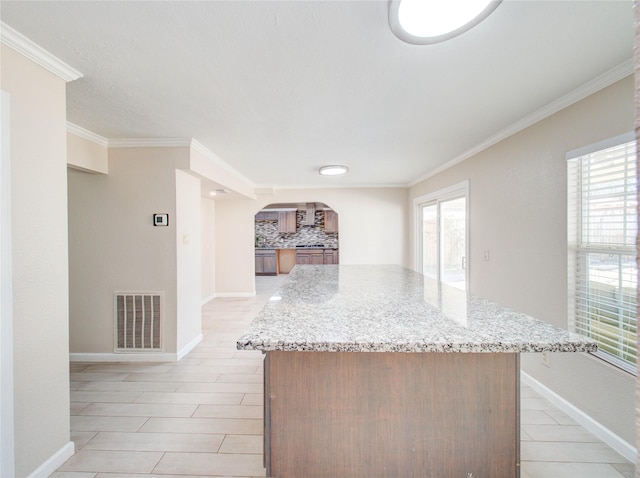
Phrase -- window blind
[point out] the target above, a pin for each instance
(602, 195)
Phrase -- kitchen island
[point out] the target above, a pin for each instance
(376, 371)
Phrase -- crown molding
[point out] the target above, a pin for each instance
(37, 54)
(176, 143)
(88, 135)
(200, 148)
(150, 143)
(606, 79)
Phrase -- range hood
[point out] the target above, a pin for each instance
(310, 217)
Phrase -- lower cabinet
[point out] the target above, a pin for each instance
(266, 262)
(331, 256)
(317, 256)
(310, 256)
(271, 262)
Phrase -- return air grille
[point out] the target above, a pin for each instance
(138, 318)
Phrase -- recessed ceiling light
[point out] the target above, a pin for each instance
(212, 193)
(333, 170)
(423, 22)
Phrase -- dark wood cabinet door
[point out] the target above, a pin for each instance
(451, 415)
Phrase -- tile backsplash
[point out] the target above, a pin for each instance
(267, 234)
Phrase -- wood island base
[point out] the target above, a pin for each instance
(384, 414)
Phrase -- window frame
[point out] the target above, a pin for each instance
(578, 250)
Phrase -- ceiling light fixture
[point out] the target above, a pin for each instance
(333, 170)
(421, 22)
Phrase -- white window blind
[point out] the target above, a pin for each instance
(603, 274)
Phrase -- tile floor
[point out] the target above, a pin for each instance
(202, 416)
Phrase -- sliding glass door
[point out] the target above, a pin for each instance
(453, 246)
(443, 236)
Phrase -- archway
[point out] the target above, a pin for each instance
(287, 234)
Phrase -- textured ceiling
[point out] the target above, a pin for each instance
(278, 89)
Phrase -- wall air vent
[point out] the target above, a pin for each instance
(138, 319)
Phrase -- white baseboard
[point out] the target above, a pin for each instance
(607, 436)
(54, 462)
(208, 299)
(236, 294)
(132, 357)
(189, 347)
(136, 356)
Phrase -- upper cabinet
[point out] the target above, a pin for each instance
(330, 221)
(286, 221)
(267, 216)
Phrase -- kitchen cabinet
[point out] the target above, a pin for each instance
(330, 221)
(310, 256)
(287, 221)
(266, 262)
(317, 256)
(267, 216)
(331, 256)
(317, 259)
(303, 258)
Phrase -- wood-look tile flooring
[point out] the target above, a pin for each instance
(202, 416)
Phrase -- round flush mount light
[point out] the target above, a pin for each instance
(423, 22)
(333, 170)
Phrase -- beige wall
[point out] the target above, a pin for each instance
(208, 272)
(234, 238)
(518, 211)
(86, 155)
(188, 259)
(372, 222)
(40, 273)
(115, 247)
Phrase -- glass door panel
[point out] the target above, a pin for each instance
(430, 240)
(453, 242)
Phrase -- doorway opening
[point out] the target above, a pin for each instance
(287, 234)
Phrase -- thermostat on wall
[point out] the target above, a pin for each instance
(160, 219)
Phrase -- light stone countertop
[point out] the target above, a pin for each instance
(385, 308)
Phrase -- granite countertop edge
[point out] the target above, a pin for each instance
(249, 344)
(392, 309)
